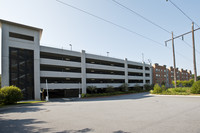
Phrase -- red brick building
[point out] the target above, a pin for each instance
(162, 74)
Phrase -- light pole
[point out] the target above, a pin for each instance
(70, 46)
(79, 95)
(107, 53)
(47, 97)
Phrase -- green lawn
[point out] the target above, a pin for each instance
(23, 102)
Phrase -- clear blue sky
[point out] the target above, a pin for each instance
(63, 25)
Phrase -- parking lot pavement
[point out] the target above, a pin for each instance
(134, 113)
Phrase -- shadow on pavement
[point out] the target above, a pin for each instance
(120, 131)
(86, 130)
(21, 108)
(25, 126)
(21, 126)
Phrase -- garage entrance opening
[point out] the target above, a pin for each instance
(62, 93)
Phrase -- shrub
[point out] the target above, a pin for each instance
(184, 83)
(110, 89)
(1, 97)
(190, 83)
(179, 91)
(91, 89)
(10, 94)
(148, 87)
(163, 88)
(83, 95)
(124, 87)
(138, 88)
(157, 89)
(196, 88)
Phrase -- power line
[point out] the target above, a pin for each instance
(148, 20)
(182, 11)
(119, 26)
(141, 16)
(110, 22)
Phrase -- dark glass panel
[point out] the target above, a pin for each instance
(21, 71)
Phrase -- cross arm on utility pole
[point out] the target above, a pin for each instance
(181, 36)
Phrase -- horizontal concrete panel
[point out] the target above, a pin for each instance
(147, 78)
(135, 77)
(59, 74)
(134, 63)
(18, 44)
(103, 85)
(104, 76)
(59, 51)
(137, 63)
(104, 58)
(147, 71)
(60, 86)
(104, 67)
(135, 70)
(59, 63)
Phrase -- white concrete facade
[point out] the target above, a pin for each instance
(7, 42)
(77, 68)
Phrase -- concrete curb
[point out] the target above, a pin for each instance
(175, 95)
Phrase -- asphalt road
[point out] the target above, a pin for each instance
(137, 113)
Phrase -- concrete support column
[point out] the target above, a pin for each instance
(151, 74)
(144, 76)
(37, 69)
(83, 72)
(126, 70)
(5, 57)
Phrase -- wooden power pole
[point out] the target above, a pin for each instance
(174, 60)
(194, 57)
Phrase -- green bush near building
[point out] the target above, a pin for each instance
(91, 89)
(148, 87)
(195, 89)
(110, 89)
(10, 95)
(124, 87)
(177, 91)
(184, 83)
(156, 89)
(171, 91)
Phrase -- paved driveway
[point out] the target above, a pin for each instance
(137, 113)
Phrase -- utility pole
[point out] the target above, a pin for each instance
(174, 59)
(194, 57)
